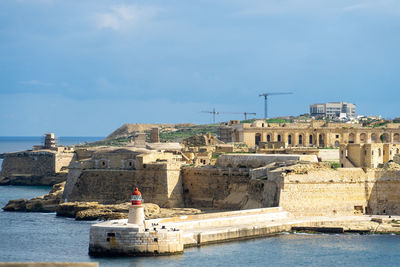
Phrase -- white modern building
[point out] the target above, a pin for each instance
(333, 109)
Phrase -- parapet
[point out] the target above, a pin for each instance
(259, 160)
(120, 238)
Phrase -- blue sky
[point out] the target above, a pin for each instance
(87, 67)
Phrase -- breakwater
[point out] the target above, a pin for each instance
(172, 235)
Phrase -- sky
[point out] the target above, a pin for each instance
(84, 68)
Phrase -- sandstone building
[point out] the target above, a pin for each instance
(367, 155)
(314, 134)
(43, 165)
(236, 181)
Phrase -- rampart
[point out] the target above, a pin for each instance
(35, 167)
(238, 181)
(160, 182)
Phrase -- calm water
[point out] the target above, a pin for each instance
(45, 237)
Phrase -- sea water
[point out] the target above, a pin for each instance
(46, 237)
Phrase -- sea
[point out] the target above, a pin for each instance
(44, 237)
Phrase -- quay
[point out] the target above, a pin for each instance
(168, 236)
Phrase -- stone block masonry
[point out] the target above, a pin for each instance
(120, 238)
(161, 237)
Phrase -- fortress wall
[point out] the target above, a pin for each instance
(107, 186)
(341, 192)
(63, 160)
(385, 197)
(225, 189)
(28, 164)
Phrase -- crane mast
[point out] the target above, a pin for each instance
(265, 95)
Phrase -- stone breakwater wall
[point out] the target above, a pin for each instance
(120, 238)
(161, 236)
(170, 235)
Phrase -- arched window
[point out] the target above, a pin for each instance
(351, 138)
(279, 138)
(268, 138)
(300, 139)
(289, 139)
(310, 139)
(258, 139)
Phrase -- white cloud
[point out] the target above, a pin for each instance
(35, 1)
(315, 7)
(120, 17)
(356, 7)
(35, 83)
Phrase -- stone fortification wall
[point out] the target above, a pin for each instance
(324, 192)
(211, 187)
(384, 198)
(43, 167)
(332, 192)
(160, 183)
(29, 164)
(258, 160)
(62, 161)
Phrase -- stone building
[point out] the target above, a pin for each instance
(367, 155)
(314, 134)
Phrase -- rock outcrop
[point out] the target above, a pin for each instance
(46, 203)
(33, 180)
(96, 211)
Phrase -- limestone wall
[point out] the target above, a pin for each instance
(252, 160)
(62, 161)
(384, 197)
(226, 189)
(29, 164)
(160, 183)
(340, 192)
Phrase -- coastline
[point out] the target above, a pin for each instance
(118, 237)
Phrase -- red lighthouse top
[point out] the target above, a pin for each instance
(136, 197)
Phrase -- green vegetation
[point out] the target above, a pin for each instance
(277, 120)
(335, 165)
(113, 142)
(184, 132)
(248, 121)
(216, 155)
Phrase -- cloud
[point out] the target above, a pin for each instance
(35, 83)
(315, 7)
(123, 16)
(35, 1)
(356, 7)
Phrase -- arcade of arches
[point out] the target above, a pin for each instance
(319, 137)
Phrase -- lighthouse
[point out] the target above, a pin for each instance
(136, 210)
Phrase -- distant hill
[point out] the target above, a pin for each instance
(130, 129)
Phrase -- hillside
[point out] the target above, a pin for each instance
(168, 132)
(129, 129)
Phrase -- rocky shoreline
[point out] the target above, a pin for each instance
(33, 180)
(52, 202)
